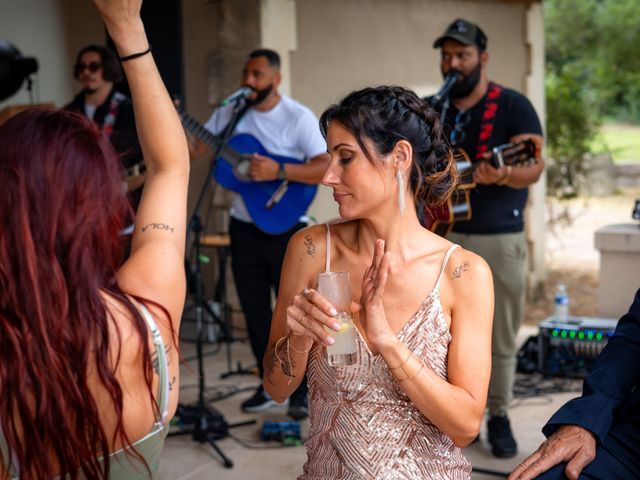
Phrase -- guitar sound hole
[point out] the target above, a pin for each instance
(242, 169)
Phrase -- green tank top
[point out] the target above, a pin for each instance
(123, 465)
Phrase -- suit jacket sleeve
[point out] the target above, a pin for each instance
(610, 384)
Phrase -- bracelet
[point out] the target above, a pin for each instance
(282, 173)
(409, 377)
(402, 364)
(135, 55)
(289, 373)
(295, 349)
(505, 179)
(275, 350)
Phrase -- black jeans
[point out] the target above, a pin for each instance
(256, 262)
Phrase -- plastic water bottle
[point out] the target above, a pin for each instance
(561, 304)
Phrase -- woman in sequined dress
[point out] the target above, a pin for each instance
(422, 305)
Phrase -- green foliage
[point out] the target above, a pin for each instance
(593, 71)
(571, 127)
(600, 41)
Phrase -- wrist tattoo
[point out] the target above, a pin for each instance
(463, 267)
(277, 354)
(311, 248)
(172, 383)
(157, 226)
(270, 362)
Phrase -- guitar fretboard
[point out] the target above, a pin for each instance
(213, 141)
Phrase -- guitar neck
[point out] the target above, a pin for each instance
(196, 128)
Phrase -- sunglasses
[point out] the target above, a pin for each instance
(457, 135)
(93, 67)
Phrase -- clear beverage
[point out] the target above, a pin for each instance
(343, 352)
(336, 287)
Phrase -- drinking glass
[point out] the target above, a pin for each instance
(336, 287)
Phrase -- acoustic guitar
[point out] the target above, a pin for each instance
(274, 206)
(441, 219)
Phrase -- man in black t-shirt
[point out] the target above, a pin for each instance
(477, 116)
(97, 69)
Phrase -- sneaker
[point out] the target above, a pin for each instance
(298, 407)
(259, 402)
(503, 445)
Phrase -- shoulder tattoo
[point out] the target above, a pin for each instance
(311, 248)
(463, 267)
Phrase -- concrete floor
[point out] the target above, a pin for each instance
(186, 459)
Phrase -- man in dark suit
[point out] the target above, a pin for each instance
(597, 436)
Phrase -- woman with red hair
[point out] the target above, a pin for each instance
(88, 352)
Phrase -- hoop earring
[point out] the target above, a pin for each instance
(401, 193)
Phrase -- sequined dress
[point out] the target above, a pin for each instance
(363, 426)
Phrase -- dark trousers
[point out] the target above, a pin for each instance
(256, 262)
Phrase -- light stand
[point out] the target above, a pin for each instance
(209, 425)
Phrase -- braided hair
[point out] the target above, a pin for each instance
(386, 114)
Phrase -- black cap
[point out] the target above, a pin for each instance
(465, 32)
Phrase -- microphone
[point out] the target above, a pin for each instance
(242, 92)
(449, 82)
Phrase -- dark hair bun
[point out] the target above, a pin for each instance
(387, 114)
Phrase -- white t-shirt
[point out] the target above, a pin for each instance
(289, 129)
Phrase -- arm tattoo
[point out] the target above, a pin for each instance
(281, 358)
(167, 351)
(155, 361)
(172, 383)
(457, 272)
(311, 248)
(157, 226)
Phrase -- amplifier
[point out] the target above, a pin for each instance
(569, 348)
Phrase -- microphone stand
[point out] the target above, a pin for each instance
(209, 425)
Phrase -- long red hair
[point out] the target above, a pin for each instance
(62, 207)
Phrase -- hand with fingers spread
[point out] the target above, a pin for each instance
(307, 316)
(373, 316)
(571, 443)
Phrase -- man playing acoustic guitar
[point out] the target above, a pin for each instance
(98, 70)
(285, 128)
(479, 115)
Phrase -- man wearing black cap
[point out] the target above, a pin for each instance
(478, 115)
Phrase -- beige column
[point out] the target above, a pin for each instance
(278, 32)
(534, 89)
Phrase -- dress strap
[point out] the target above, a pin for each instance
(327, 262)
(160, 364)
(444, 263)
(8, 458)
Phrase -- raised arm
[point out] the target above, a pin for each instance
(155, 269)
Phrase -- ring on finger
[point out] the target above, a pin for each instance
(307, 292)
